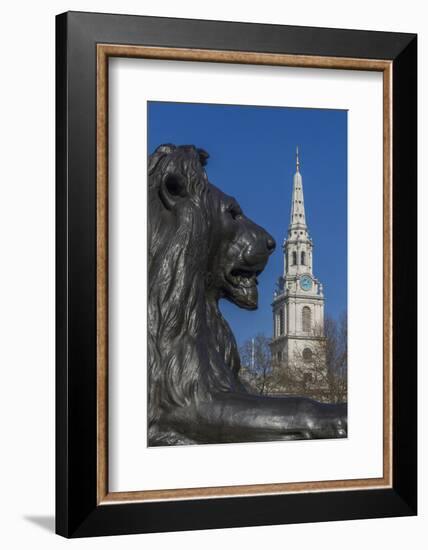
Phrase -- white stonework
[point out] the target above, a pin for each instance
(298, 304)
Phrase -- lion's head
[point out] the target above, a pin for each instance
(202, 248)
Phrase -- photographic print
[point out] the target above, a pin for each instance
(247, 289)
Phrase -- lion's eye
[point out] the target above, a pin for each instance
(235, 212)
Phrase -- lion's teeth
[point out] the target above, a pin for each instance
(246, 280)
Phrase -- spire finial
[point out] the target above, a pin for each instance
(297, 159)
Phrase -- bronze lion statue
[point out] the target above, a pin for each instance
(203, 248)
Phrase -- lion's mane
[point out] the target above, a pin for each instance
(191, 349)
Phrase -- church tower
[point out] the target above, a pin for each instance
(298, 304)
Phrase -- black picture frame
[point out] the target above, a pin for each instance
(77, 512)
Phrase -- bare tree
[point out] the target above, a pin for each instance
(307, 371)
(335, 359)
(322, 375)
(256, 363)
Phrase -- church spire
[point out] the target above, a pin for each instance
(297, 216)
(298, 302)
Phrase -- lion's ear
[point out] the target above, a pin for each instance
(203, 156)
(157, 155)
(172, 189)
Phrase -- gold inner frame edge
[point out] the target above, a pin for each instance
(104, 51)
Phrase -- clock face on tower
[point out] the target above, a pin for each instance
(305, 282)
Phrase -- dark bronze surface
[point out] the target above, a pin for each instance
(203, 248)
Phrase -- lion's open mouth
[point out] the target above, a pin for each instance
(241, 284)
(243, 277)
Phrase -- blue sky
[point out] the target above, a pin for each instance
(252, 157)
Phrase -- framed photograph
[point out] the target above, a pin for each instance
(236, 260)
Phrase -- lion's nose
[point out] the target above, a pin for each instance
(270, 243)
